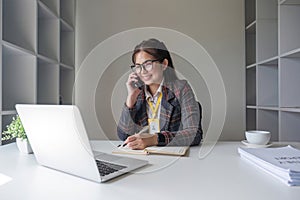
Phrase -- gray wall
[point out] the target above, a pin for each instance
(216, 24)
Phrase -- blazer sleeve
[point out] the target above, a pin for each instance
(132, 120)
(126, 125)
(190, 131)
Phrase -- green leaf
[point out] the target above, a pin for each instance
(14, 129)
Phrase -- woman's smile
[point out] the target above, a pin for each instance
(146, 77)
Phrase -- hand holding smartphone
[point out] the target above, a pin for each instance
(139, 84)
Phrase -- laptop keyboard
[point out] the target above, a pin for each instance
(106, 168)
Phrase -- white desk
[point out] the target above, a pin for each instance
(221, 175)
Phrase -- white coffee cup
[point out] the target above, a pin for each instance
(258, 137)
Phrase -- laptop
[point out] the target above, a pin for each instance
(59, 141)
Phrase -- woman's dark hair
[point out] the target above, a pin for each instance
(160, 52)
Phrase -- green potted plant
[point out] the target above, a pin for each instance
(16, 130)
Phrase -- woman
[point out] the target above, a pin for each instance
(165, 105)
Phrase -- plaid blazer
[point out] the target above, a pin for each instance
(180, 116)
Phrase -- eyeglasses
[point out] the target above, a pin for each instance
(147, 66)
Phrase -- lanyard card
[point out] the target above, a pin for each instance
(153, 126)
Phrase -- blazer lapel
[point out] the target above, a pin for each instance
(142, 115)
(166, 108)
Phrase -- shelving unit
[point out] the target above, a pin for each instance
(36, 54)
(273, 67)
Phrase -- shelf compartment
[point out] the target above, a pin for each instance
(289, 82)
(289, 28)
(250, 119)
(266, 39)
(66, 77)
(18, 78)
(251, 45)
(67, 11)
(266, 29)
(20, 23)
(250, 11)
(267, 84)
(251, 86)
(52, 5)
(290, 126)
(48, 34)
(268, 120)
(48, 82)
(67, 40)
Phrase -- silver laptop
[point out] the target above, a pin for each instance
(59, 141)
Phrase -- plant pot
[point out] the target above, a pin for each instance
(24, 146)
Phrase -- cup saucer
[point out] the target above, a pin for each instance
(245, 142)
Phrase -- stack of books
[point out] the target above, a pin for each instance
(282, 162)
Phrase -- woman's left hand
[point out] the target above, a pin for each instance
(141, 141)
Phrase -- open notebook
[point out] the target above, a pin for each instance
(166, 150)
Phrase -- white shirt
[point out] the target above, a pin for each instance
(154, 99)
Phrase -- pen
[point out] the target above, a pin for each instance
(122, 145)
(143, 130)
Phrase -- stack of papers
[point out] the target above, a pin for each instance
(283, 162)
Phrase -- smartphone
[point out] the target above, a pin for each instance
(139, 84)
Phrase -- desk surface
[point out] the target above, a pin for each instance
(220, 175)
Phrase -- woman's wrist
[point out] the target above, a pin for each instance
(155, 139)
(131, 100)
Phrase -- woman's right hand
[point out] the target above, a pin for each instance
(133, 92)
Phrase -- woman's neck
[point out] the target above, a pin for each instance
(153, 88)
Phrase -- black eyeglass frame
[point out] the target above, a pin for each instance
(142, 66)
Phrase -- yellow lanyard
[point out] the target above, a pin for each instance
(154, 110)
